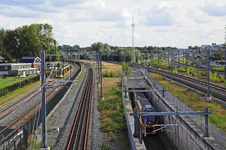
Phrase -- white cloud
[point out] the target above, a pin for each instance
(22, 2)
(83, 22)
(215, 8)
(10, 26)
(163, 14)
(199, 16)
(165, 30)
(13, 11)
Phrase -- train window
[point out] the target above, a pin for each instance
(150, 120)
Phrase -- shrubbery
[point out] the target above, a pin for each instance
(126, 67)
(175, 71)
(108, 74)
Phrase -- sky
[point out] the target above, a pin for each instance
(177, 23)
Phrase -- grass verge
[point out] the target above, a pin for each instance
(9, 98)
(112, 117)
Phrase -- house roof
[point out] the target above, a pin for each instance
(27, 59)
(9, 64)
(1, 57)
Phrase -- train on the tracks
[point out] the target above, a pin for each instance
(143, 105)
(63, 71)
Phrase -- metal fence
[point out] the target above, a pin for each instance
(17, 85)
(130, 135)
(18, 139)
(219, 135)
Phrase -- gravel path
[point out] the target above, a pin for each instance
(97, 137)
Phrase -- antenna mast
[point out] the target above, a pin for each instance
(133, 49)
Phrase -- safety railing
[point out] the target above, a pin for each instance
(130, 135)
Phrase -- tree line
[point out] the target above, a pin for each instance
(115, 52)
(27, 40)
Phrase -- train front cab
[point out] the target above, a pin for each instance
(144, 106)
(150, 121)
(59, 73)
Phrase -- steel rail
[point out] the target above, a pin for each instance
(79, 133)
(75, 122)
(216, 90)
(14, 109)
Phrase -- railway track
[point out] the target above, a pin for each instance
(6, 111)
(80, 130)
(215, 90)
(30, 112)
(203, 69)
(160, 141)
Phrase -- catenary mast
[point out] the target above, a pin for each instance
(133, 49)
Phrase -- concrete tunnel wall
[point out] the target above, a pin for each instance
(187, 135)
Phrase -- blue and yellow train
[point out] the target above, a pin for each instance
(143, 105)
(61, 72)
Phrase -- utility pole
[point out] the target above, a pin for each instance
(133, 49)
(44, 139)
(208, 71)
(224, 63)
(158, 58)
(100, 76)
(186, 60)
(171, 66)
(178, 60)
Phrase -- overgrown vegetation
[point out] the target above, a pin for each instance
(108, 74)
(125, 67)
(112, 118)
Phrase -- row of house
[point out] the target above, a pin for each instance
(214, 46)
(27, 66)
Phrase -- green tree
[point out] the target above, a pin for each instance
(11, 44)
(97, 46)
(29, 40)
(2, 34)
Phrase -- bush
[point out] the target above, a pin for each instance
(187, 72)
(149, 63)
(216, 79)
(215, 74)
(112, 74)
(211, 78)
(126, 67)
(225, 82)
(106, 74)
(175, 71)
(221, 78)
(13, 60)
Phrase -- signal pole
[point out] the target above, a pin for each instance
(133, 49)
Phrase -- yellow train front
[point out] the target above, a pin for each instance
(61, 72)
(143, 105)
